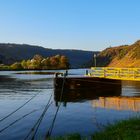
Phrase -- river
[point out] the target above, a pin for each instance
(83, 112)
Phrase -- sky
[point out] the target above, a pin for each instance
(70, 24)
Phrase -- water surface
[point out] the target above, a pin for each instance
(82, 111)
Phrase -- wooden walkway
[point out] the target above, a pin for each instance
(115, 73)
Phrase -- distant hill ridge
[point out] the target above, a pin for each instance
(121, 56)
(10, 53)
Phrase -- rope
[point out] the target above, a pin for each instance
(5, 128)
(40, 122)
(37, 124)
(53, 122)
(19, 108)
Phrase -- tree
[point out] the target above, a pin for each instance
(38, 57)
(38, 62)
(46, 63)
(24, 64)
(16, 66)
(34, 64)
(64, 63)
(28, 63)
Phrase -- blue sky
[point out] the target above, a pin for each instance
(70, 24)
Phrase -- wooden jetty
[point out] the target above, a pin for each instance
(84, 88)
(79, 89)
(106, 76)
(99, 83)
(84, 82)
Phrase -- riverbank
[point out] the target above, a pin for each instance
(123, 130)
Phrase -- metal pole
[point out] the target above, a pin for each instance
(95, 60)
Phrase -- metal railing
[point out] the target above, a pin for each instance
(116, 73)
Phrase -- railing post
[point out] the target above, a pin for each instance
(86, 72)
(118, 73)
(104, 72)
(134, 73)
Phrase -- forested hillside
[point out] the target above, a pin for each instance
(10, 53)
(121, 56)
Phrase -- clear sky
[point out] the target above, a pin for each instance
(70, 24)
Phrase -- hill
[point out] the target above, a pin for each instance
(121, 56)
(10, 53)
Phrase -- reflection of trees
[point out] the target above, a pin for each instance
(14, 84)
(14, 88)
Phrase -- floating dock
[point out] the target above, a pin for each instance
(72, 83)
(84, 88)
(102, 85)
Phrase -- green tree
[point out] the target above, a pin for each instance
(16, 66)
(34, 64)
(28, 63)
(24, 64)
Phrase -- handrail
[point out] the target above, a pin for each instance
(116, 73)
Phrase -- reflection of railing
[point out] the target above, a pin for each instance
(118, 103)
(116, 73)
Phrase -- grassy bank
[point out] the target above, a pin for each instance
(123, 130)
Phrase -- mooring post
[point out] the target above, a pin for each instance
(86, 72)
(56, 75)
(66, 73)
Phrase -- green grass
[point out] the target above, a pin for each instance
(123, 130)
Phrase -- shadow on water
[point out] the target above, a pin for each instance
(79, 90)
(102, 93)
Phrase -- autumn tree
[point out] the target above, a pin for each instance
(16, 66)
(54, 62)
(46, 63)
(38, 58)
(64, 63)
(38, 62)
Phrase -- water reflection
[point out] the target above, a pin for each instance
(96, 101)
(13, 88)
(94, 92)
(118, 103)
(130, 88)
(105, 95)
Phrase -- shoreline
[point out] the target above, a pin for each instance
(121, 130)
